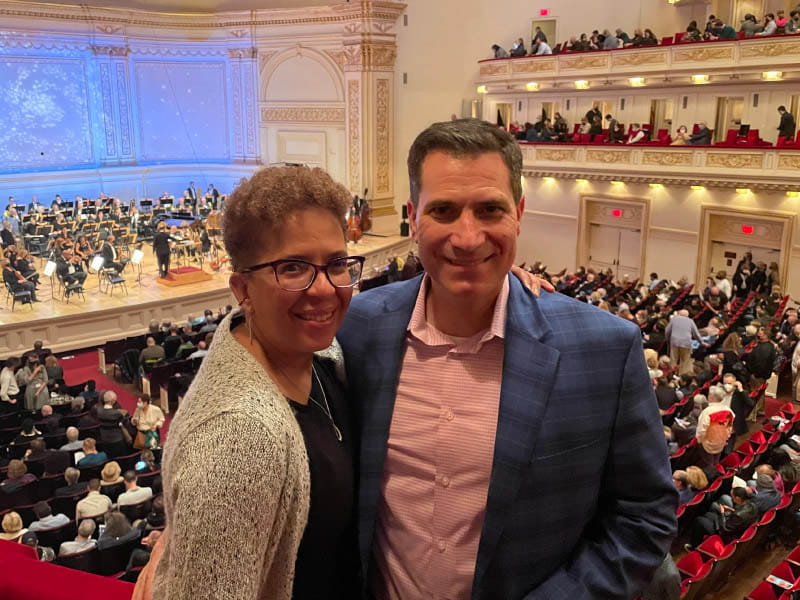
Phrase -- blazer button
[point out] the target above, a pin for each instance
(442, 546)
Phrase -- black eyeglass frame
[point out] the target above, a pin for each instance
(317, 269)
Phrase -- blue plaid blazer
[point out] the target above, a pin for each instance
(581, 502)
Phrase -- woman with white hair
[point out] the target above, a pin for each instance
(714, 427)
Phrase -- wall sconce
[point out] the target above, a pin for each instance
(587, 181)
(793, 194)
(617, 183)
(743, 191)
(700, 79)
(549, 179)
(532, 86)
(657, 186)
(582, 84)
(772, 75)
(636, 81)
(482, 89)
(698, 188)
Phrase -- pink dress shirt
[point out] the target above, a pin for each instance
(438, 460)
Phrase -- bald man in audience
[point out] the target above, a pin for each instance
(73, 443)
(151, 351)
(49, 423)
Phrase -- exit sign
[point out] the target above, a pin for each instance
(617, 212)
(747, 229)
(544, 12)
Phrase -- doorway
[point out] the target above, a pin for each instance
(548, 27)
(729, 116)
(548, 110)
(504, 114)
(615, 248)
(661, 114)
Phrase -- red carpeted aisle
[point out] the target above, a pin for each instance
(84, 366)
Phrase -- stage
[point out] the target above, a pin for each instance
(76, 324)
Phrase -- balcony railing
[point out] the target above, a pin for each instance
(725, 61)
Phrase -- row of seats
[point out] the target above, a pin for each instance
(782, 582)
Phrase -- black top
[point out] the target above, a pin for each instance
(326, 567)
(161, 242)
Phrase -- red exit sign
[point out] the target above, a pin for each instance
(544, 12)
(747, 229)
(617, 212)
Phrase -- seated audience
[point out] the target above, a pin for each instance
(45, 519)
(681, 136)
(749, 26)
(111, 474)
(702, 137)
(156, 518)
(90, 454)
(727, 521)
(73, 443)
(211, 325)
(637, 134)
(152, 352)
(518, 49)
(764, 495)
(17, 476)
(499, 52)
(681, 481)
(12, 527)
(146, 463)
(141, 556)
(770, 26)
(133, 493)
(44, 553)
(118, 531)
(27, 433)
(73, 486)
(202, 350)
(94, 505)
(83, 541)
(50, 423)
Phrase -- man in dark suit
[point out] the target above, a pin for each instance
(702, 137)
(110, 419)
(162, 249)
(787, 126)
(111, 256)
(70, 268)
(192, 191)
(34, 206)
(489, 468)
(593, 114)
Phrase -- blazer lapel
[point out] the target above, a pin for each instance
(529, 373)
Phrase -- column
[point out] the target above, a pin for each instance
(117, 122)
(244, 98)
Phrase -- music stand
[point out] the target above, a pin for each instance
(50, 270)
(136, 259)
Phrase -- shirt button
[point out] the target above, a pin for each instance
(445, 481)
(442, 546)
(449, 415)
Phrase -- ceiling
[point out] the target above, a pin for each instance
(199, 6)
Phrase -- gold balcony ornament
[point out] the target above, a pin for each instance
(700, 79)
(772, 75)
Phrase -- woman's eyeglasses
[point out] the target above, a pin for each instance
(295, 275)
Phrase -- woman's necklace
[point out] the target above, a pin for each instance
(325, 409)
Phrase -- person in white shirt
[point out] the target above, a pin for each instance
(45, 517)
(201, 351)
(9, 390)
(723, 283)
(133, 494)
(84, 540)
(73, 443)
(770, 26)
(541, 49)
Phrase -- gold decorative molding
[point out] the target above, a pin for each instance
(494, 69)
(303, 114)
(533, 66)
(109, 29)
(239, 53)
(584, 62)
(353, 132)
(263, 59)
(609, 156)
(667, 159)
(337, 56)
(110, 50)
(789, 161)
(366, 56)
(735, 161)
(382, 136)
(640, 58)
(555, 155)
(703, 54)
(769, 50)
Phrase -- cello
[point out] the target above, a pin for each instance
(354, 232)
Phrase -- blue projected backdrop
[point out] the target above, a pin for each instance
(44, 114)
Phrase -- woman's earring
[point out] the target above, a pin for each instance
(249, 328)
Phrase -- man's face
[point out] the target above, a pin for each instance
(466, 223)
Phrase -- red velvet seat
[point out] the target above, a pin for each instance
(714, 547)
(695, 572)
(767, 591)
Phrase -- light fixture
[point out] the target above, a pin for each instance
(743, 191)
(657, 186)
(793, 194)
(636, 81)
(617, 183)
(772, 75)
(582, 84)
(698, 188)
(482, 89)
(587, 181)
(699, 79)
(549, 179)
(532, 86)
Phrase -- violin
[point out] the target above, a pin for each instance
(218, 263)
(354, 232)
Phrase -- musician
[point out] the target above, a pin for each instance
(16, 282)
(24, 266)
(162, 247)
(13, 219)
(79, 206)
(212, 195)
(30, 227)
(134, 218)
(11, 204)
(111, 256)
(6, 235)
(83, 250)
(56, 205)
(34, 206)
(61, 221)
(69, 268)
(191, 192)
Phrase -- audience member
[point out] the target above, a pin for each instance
(83, 541)
(770, 26)
(94, 505)
(681, 481)
(681, 136)
(760, 361)
(679, 333)
(152, 352)
(111, 474)
(749, 26)
(17, 476)
(499, 52)
(45, 519)
(118, 531)
(73, 443)
(787, 127)
(702, 137)
(91, 455)
(133, 493)
(210, 325)
(44, 553)
(148, 420)
(729, 522)
(140, 556)
(12, 527)
(110, 417)
(73, 486)
(10, 394)
(518, 49)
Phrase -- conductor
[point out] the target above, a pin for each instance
(161, 247)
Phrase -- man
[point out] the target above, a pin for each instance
(50, 422)
(721, 31)
(191, 192)
(73, 443)
(787, 127)
(95, 503)
(202, 350)
(770, 26)
(210, 324)
(90, 454)
(681, 480)
(110, 418)
(760, 361)
(13, 219)
(151, 351)
(541, 48)
(34, 206)
(729, 522)
(82, 542)
(679, 333)
(70, 269)
(593, 113)
(73, 486)
(612, 128)
(539, 35)
(611, 41)
(45, 519)
(518, 49)
(7, 235)
(702, 137)
(765, 496)
(111, 256)
(141, 556)
(739, 402)
(469, 402)
(623, 36)
(499, 52)
(133, 494)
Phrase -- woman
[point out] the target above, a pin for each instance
(33, 377)
(118, 531)
(55, 372)
(731, 360)
(561, 128)
(17, 476)
(697, 479)
(23, 265)
(83, 250)
(681, 136)
(148, 419)
(146, 463)
(650, 38)
(111, 474)
(266, 412)
(12, 527)
(10, 394)
(27, 433)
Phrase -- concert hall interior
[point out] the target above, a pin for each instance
(660, 170)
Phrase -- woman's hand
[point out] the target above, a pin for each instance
(532, 282)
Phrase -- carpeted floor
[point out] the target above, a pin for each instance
(84, 366)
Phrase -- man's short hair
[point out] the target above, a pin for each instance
(38, 345)
(782, 108)
(42, 509)
(89, 444)
(129, 476)
(72, 475)
(72, 434)
(38, 445)
(86, 528)
(465, 138)
(94, 484)
(739, 492)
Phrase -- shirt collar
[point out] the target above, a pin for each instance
(421, 329)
